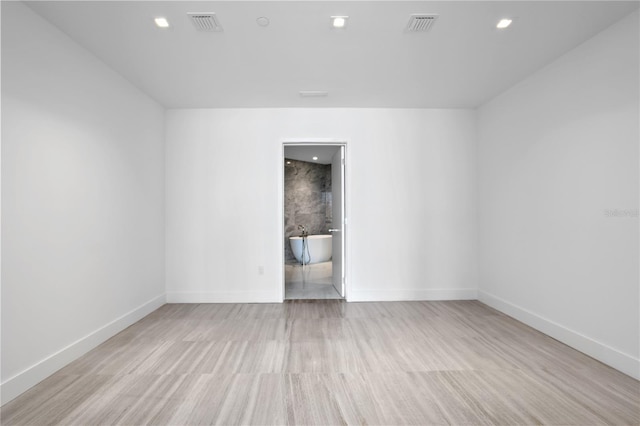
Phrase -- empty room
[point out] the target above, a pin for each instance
(320, 212)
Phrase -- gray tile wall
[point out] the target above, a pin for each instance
(307, 200)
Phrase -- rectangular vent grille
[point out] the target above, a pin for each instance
(420, 23)
(313, 93)
(205, 21)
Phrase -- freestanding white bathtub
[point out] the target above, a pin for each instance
(319, 248)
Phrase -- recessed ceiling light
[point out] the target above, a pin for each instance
(504, 23)
(315, 158)
(288, 162)
(161, 22)
(263, 21)
(339, 21)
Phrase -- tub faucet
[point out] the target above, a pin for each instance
(304, 230)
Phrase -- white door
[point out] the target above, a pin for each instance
(338, 225)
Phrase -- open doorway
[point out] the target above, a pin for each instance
(314, 221)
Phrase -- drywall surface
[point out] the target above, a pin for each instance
(411, 231)
(558, 198)
(82, 201)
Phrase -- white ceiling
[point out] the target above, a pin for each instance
(307, 152)
(462, 62)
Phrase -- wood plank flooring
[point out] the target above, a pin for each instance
(330, 362)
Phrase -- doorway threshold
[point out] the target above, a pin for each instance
(310, 282)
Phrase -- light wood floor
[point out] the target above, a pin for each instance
(329, 362)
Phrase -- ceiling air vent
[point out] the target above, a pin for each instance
(205, 21)
(420, 23)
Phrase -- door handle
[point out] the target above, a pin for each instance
(334, 230)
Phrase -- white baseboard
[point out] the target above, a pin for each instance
(28, 378)
(398, 295)
(224, 297)
(603, 353)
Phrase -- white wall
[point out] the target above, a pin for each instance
(556, 153)
(84, 210)
(82, 200)
(411, 201)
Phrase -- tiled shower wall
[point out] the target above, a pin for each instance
(307, 200)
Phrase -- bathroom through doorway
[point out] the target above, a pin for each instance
(314, 223)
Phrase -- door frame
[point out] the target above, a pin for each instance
(346, 206)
